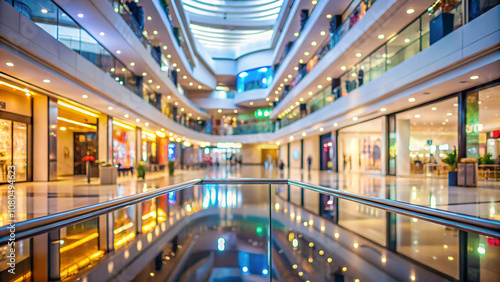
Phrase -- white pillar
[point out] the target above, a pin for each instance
(383, 150)
(403, 147)
(103, 139)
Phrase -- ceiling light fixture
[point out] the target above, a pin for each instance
(118, 52)
(132, 64)
(296, 34)
(381, 36)
(46, 80)
(126, 115)
(80, 15)
(358, 55)
(343, 67)
(410, 11)
(335, 124)
(355, 118)
(314, 43)
(137, 120)
(322, 33)
(383, 109)
(10, 64)
(411, 100)
(110, 108)
(474, 77)
(84, 96)
(306, 53)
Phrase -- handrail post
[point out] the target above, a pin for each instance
(270, 236)
(106, 234)
(54, 261)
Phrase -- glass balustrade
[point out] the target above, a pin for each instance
(263, 229)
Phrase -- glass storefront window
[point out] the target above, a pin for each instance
(259, 78)
(360, 147)
(424, 136)
(13, 149)
(482, 130)
(123, 147)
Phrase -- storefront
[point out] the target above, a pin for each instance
(76, 138)
(424, 136)
(360, 147)
(149, 149)
(15, 131)
(124, 143)
(326, 153)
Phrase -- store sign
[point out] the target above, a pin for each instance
(262, 113)
(496, 134)
(473, 128)
(3, 106)
(229, 145)
(171, 152)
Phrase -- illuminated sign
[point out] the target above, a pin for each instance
(171, 152)
(262, 113)
(229, 145)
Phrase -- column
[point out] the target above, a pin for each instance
(384, 153)
(45, 134)
(53, 113)
(102, 139)
(403, 147)
(138, 145)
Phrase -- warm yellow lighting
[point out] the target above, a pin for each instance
(311, 244)
(383, 260)
(69, 106)
(336, 235)
(77, 123)
(160, 134)
(122, 125)
(79, 242)
(344, 269)
(356, 245)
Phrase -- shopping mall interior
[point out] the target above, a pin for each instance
(256, 140)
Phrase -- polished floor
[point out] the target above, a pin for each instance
(40, 198)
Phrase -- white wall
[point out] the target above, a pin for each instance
(295, 146)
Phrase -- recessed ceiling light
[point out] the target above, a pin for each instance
(169, 56)
(276, 92)
(219, 111)
(137, 120)
(314, 2)
(132, 64)
(322, 33)
(118, 52)
(335, 124)
(150, 81)
(285, 80)
(306, 53)
(321, 129)
(174, 65)
(149, 18)
(235, 111)
(329, 78)
(411, 100)
(190, 84)
(301, 61)
(296, 34)
(165, 47)
(84, 96)
(146, 124)
(126, 115)
(303, 134)
(290, 76)
(157, 86)
(80, 15)
(410, 11)
(358, 55)
(328, 16)
(434, 109)
(417, 116)
(343, 67)
(310, 93)
(182, 109)
(407, 40)
(176, 103)
(168, 97)
(296, 68)
(267, 99)
(383, 109)
(101, 33)
(449, 114)
(10, 64)
(110, 108)
(381, 36)
(314, 43)
(291, 137)
(474, 77)
(320, 86)
(155, 32)
(301, 99)
(199, 86)
(178, 70)
(251, 103)
(144, 74)
(355, 118)
(278, 143)
(46, 80)
(456, 105)
(44, 11)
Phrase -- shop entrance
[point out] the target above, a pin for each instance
(85, 144)
(13, 149)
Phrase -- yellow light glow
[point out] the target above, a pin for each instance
(69, 106)
(123, 125)
(160, 134)
(77, 123)
(79, 242)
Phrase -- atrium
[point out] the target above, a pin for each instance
(249, 140)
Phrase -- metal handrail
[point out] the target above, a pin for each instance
(45, 224)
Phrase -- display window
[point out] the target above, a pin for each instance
(360, 147)
(124, 140)
(258, 78)
(76, 138)
(424, 136)
(149, 154)
(15, 112)
(482, 130)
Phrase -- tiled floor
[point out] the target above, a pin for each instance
(40, 198)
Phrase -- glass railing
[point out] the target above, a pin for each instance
(354, 15)
(134, 16)
(223, 128)
(275, 229)
(53, 20)
(408, 42)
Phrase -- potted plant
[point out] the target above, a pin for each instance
(171, 167)
(452, 160)
(443, 23)
(107, 173)
(141, 170)
(486, 159)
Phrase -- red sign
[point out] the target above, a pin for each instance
(496, 134)
(88, 158)
(493, 242)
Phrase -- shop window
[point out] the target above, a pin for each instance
(259, 78)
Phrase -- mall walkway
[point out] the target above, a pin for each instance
(39, 198)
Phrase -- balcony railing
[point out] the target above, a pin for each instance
(408, 42)
(295, 220)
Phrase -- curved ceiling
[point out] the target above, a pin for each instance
(234, 24)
